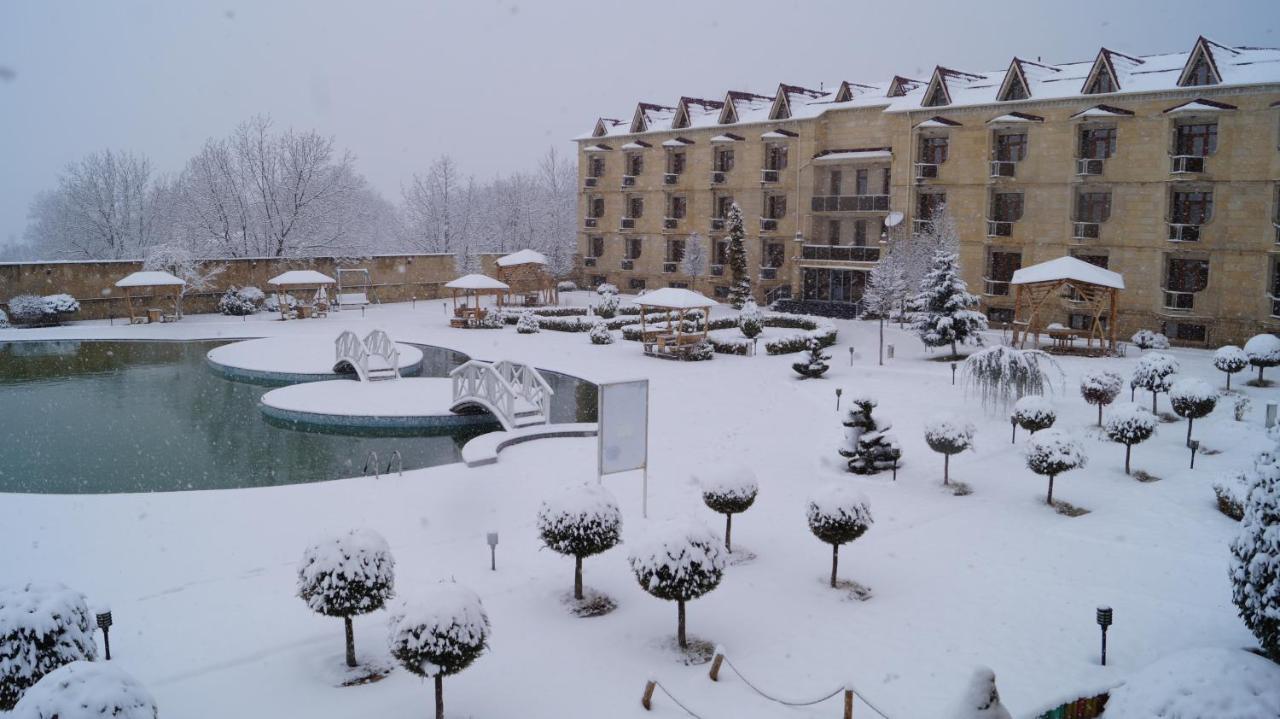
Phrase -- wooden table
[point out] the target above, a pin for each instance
(155, 314)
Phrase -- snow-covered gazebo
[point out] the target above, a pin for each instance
(473, 286)
(1092, 290)
(671, 340)
(151, 283)
(292, 281)
(528, 274)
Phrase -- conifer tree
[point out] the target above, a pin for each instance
(945, 313)
(739, 278)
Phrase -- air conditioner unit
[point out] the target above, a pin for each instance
(627, 223)
(670, 223)
(591, 222)
(670, 178)
(1085, 230)
(769, 175)
(717, 270)
(768, 225)
(926, 171)
(669, 266)
(1184, 233)
(768, 273)
(996, 228)
(717, 177)
(1002, 168)
(1088, 166)
(628, 180)
(717, 223)
(628, 264)
(591, 181)
(1187, 164)
(588, 262)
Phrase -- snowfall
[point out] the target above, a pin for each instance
(202, 584)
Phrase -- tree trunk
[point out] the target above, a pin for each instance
(1133, 392)
(351, 642)
(684, 643)
(577, 578)
(1190, 421)
(728, 532)
(946, 469)
(954, 353)
(1154, 396)
(1128, 448)
(1013, 436)
(439, 696)
(1260, 368)
(1099, 415)
(1228, 381)
(835, 563)
(1049, 499)
(882, 338)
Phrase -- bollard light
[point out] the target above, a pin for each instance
(953, 374)
(104, 623)
(1013, 425)
(1271, 415)
(1104, 621)
(850, 355)
(492, 538)
(888, 351)
(839, 392)
(1195, 447)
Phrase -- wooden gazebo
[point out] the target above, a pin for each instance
(529, 276)
(672, 341)
(1091, 290)
(287, 283)
(473, 288)
(154, 284)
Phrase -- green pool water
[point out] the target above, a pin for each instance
(93, 417)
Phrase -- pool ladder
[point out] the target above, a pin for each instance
(396, 461)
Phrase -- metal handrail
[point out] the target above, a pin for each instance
(372, 456)
(399, 463)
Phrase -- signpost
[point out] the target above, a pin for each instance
(623, 436)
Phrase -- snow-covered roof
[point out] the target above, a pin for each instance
(1014, 118)
(476, 282)
(1200, 105)
(1068, 268)
(727, 137)
(635, 146)
(938, 122)
(1103, 111)
(851, 155)
(597, 148)
(301, 277)
(675, 298)
(523, 257)
(150, 278)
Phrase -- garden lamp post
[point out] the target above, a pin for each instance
(953, 374)
(492, 538)
(1195, 447)
(1104, 621)
(850, 355)
(1013, 425)
(839, 392)
(104, 623)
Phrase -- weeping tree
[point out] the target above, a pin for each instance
(1002, 375)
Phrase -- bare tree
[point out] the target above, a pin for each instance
(694, 262)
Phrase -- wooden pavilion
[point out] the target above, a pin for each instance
(473, 289)
(288, 283)
(156, 285)
(1089, 290)
(530, 278)
(672, 341)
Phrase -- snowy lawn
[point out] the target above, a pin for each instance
(203, 584)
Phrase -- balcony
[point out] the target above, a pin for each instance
(591, 182)
(768, 273)
(999, 228)
(926, 171)
(1088, 166)
(1179, 301)
(717, 223)
(627, 223)
(1184, 233)
(670, 178)
(589, 261)
(628, 180)
(628, 264)
(1085, 230)
(670, 267)
(840, 253)
(995, 288)
(670, 223)
(717, 270)
(591, 222)
(1003, 168)
(1186, 164)
(717, 177)
(769, 176)
(768, 224)
(850, 203)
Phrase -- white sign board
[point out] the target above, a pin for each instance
(623, 416)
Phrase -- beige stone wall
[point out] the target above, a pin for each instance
(395, 278)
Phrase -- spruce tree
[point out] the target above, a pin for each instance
(739, 278)
(945, 313)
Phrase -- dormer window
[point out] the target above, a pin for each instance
(937, 97)
(1014, 86)
(1201, 73)
(1102, 84)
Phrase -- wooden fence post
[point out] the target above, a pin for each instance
(647, 700)
(715, 667)
(848, 704)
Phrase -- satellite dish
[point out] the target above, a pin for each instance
(893, 220)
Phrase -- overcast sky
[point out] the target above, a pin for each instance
(492, 82)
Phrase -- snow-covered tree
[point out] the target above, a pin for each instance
(948, 436)
(1193, 399)
(867, 443)
(981, 700)
(886, 290)
(945, 309)
(1149, 340)
(600, 334)
(1001, 375)
(42, 627)
(1153, 373)
(750, 319)
(581, 522)
(62, 304)
(838, 514)
(180, 260)
(1052, 452)
(678, 562)
(739, 275)
(87, 690)
(1255, 566)
(439, 634)
(236, 304)
(31, 310)
(1263, 351)
(729, 490)
(1034, 413)
(607, 302)
(814, 364)
(347, 575)
(1230, 359)
(1129, 424)
(527, 324)
(1100, 388)
(695, 261)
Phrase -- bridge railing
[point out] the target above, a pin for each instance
(529, 382)
(478, 379)
(348, 347)
(379, 343)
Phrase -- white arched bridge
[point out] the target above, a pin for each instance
(373, 358)
(515, 394)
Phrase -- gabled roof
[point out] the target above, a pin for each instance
(1203, 52)
(939, 92)
(522, 257)
(738, 103)
(604, 125)
(937, 121)
(900, 85)
(1200, 105)
(1070, 269)
(650, 116)
(476, 282)
(1103, 111)
(675, 298)
(1016, 85)
(849, 90)
(1109, 64)
(781, 109)
(1014, 118)
(690, 110)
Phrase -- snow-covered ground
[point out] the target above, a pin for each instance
(202, 584)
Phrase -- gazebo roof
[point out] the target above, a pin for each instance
(301, 277)
(476, 282)
(523, 257)
(150, 278)
(675, 298)
(1070, 269)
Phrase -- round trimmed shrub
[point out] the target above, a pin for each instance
(345, 576)
(1153, 373)
(527, 324)
(1101, 389)
(750, 319)
(1034, 413)
(1230, 359)
(1053, 452)
(1192, 399)
(679, 562)
(1149, 340)
(729, 491)
(1129, 424)
(948, 436)
(42, 627)
(838, 515)
(600, 334)
(87, 690)
(581, 522)
(440, 634)
(1263, 351)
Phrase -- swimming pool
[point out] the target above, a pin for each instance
(99, 416)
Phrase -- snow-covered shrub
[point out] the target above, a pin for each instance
(1129, 424)
(1202, 683)
(838, 514)
(1193, 399)
(1034, 413)
(1153, 373)
(4, 320)
(62, 304)
(234, 304)
(347, 575)
(1100, 388)
(1001, 375)
(750, 319)
(981, 700)
(42, 627)
(1263, 352)
(730, 346)
(272, 303)
(566, 286)
(1230, 359)
(822, 331)
(1255, 571)
(867, 443)
(252, 294)
(1240, 407)
(729, 490)
(607, 305)
(815, 365)
(87, 690)
(948, 436)
(700, 352)
(607, 288)
(600, 334)
(527, 324)
(491, 321)
(679, 562)
(581, 522)
(1148, 340)
(439, 634)
(946, 312)
(30, 310)
(1053, 452)
(1232, 491)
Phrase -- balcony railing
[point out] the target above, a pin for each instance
(717, 177)
(1186, 164)
(670, 223)
(850, 203)
(717, 270)
(920, 226)
(628, 264)
(670, 267)
(627, 223)
(1085, 230)
(1179, 301)
(768, 273)
(670, 178)
(1003, 168)
(1088, 166)
(1183, 233)
(999, 228)
(840, 253)
(769, 176)
(589, 261)
(768, 224)
(628, 180)
(717, 223)
(995, 288)
(591, 181)
(926, 171)
(591, 222)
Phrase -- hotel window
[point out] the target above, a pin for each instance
(635, 207)
(928, 204)
(933, 150)
(675, 163)
(836, 177)
(1186, 275)
(1006, 206)
(724, 159)
(635, 163)
(1095, 260)
(675, 250)
(632, 247)
(773, 254)
(775, 157)
(595, 167)
(1193, 207)
(723, 203)
(1011, 146)
(860, 233)
(775, 207)
(1093, 206)
(861, 182)
(885, 176)
(1097, 143)
(833, 232)
(597, 246)
(597, 207)
(679, 205)
(720, 252)
(1000, 268)
(1198, 139)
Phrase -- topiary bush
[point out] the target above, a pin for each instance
(1033, 413)
(1129, 424)
(1230, 359)
(1153, 373)
(815, 365)
(42, 627)
(1255, 566)
(345, 576)
(678, 562)
(948, 436)
(607, 305)
(439, 634)
(867, 443)
(31, 311)
(1263, 351)
(838, 515)
(87, 690)
(1149, 340)
(1101, 389)
(566, 286)
(527, 324)
(981, 700)
(750, 319)
(729, 490)
(1053, 452)
(234, 304)
(600, 334)
(1192, 399)
(582, 522)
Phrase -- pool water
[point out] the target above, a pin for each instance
(93, 417)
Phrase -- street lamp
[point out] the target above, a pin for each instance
(1104, 621)
(492, 538)
(1195, 447)
(953, 374)
(104, 623)
(839, 392)
(850, 355)
(1013, 425)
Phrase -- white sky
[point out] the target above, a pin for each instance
(492, 82)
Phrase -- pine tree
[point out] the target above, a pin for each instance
(945, 307)
(739, 278)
